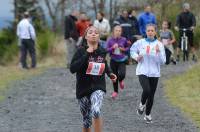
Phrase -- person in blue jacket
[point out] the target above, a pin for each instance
(150, 54)
(145, 18)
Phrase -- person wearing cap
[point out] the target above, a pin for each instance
(187, 20)
(27, 36)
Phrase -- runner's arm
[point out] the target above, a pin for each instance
(173, 39)
(108, 69)
(78, 60)
(134, 50)
(109, 46)
(161, 57)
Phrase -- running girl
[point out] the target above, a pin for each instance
(150, 54)
(117, 46)
(90, 66)
(168, 39)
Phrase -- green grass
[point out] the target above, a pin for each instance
(184, 91)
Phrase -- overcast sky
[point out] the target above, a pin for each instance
(6, 7)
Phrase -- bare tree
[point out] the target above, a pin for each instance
(164, 7)
(111, 11)
(15, 9)
(101, 5)
(63, 6)
(94, 6)
(54, 8)
(81, 5)
(114, 9)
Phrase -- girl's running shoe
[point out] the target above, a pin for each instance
(140, 109)
(148, 119)
(114, 95)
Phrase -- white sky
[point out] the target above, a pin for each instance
(6, 7)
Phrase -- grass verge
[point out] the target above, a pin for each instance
(12, 72)
(184, 91)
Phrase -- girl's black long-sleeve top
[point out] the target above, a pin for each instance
(81, 64)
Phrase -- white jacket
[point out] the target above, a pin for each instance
(150, 64)
(104, 26)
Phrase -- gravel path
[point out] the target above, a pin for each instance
(47, 103)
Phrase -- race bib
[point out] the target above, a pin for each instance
(95, 68)
(117, 51)
(148, 50)
(165, 41)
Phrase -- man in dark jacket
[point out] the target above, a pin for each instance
(126, 24)
(135, 24)
(71, 35)
(186, 20)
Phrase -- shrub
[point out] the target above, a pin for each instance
(196, 37)
(44, 43)
(8, 53)
(9, 48)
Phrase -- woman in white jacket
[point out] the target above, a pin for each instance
(150, 54)
(102, 24)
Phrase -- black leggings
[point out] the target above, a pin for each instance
(119, 69)
(149, 85)
(168, 56)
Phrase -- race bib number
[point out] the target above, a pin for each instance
(95, 68)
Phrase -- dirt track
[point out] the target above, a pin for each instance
(47, 103)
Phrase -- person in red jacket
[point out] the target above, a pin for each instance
(82, 24)
(90, 65)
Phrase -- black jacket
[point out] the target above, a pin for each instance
(86, 84)
(70, 27)
(185, 20)
(127, 27)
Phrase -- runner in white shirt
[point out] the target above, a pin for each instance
(150, 54)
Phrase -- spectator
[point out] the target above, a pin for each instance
(27, 36)
(147, 17)
(102, 24)
(82, 24)
(71, 35)
(126, 24)
(135, 24)
(187, 20)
